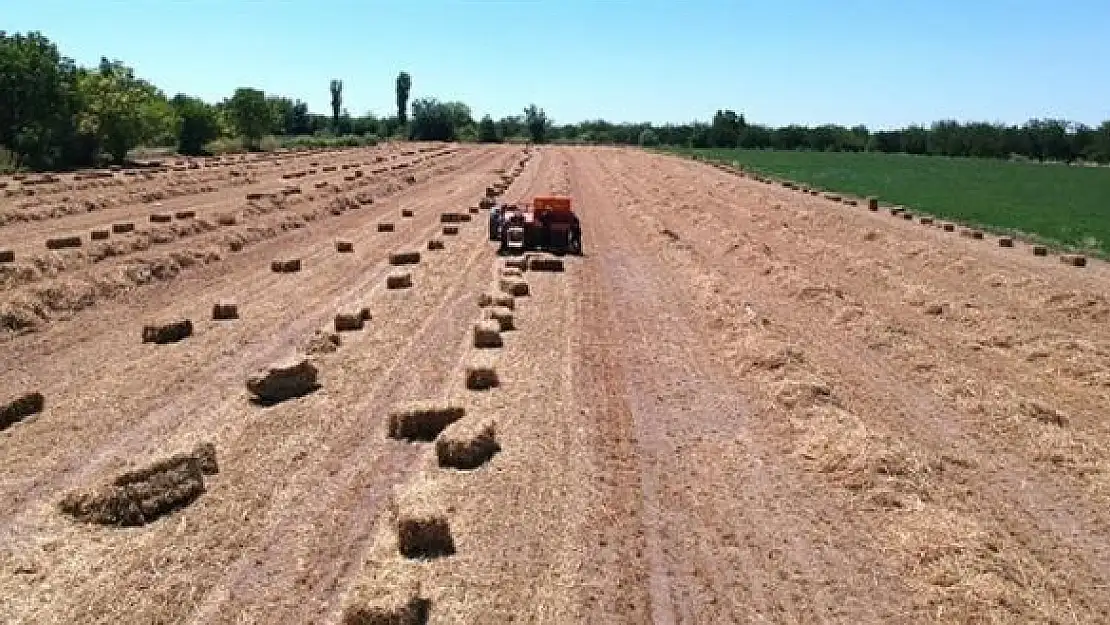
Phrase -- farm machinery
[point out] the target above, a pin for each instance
(547, 223)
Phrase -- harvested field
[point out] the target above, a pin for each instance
(707, 417)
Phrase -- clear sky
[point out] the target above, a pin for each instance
(883, 63)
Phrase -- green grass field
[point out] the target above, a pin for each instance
(1065, 206)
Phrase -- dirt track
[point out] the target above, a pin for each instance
(741, 405)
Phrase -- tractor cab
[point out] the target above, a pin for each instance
(547, 223)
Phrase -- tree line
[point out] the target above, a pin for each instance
(56, 115)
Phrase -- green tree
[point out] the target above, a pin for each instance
(404, 86)
(336, 103)
(122, 111)
(487, 131)
(38, 98)
(648, 138)
(199, 124)
(537, 122)
(432, 120)
(250, 114)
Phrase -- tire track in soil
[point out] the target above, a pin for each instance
(677, 402)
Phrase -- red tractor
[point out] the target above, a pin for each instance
(548, 223)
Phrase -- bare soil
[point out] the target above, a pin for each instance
(742, 404)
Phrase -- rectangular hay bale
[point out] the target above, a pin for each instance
(7, 256)
(223, 311)
(404, 258)
(161, 333)
(291, 265)
(123, 228)
(514, 286)
(19, 408)
(487, 334)
(450, 230)
(283, 380)
(422, 420)
(385, 226)
(467, 444)
(58, 243)
(160, 218)
(398, 280)
(349, 321)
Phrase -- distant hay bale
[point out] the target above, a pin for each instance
(349, 321)
(225, 219)
(385, 226)
(283, 380)
(141, 496)
(1075, 260)
(395, 604)
(365, 313)
(832, 196)
(1040, 250)
(161, 218)
(503, 316)
(949, 227)
(423, 529)
(467, 444)
(344, 247)
(435, 244)
(100, 235)
(518, 263)
(545, 263)
(473, 210)
(487, 334)
(185, 214)
(398, 280)
(164, 332)
(481, 375)
(321, 184)
(450, 218)
(514, 286)
(290, 265)
(976, 234)
(404, 258)
(908, 216)
(58, 243)
(407, 212)
(851, 202)
(896, 210)
(16, 409)
(7, 256)
(422, 420)
(1005, 242)
(322, 342)
(872, 203)
(450, 230)
(926, 221)
(484, 300)
(123, 228)
(511, 272)
(224, 311)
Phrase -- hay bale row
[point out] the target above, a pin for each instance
(223, 311)
(1075, 260)
(143, 495)
(18, 408)
(404, 258)
(283, 380)
(59, 243)
(290, 265)
(422, 420)
(171, 331)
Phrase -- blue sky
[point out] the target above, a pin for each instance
(881, 63)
